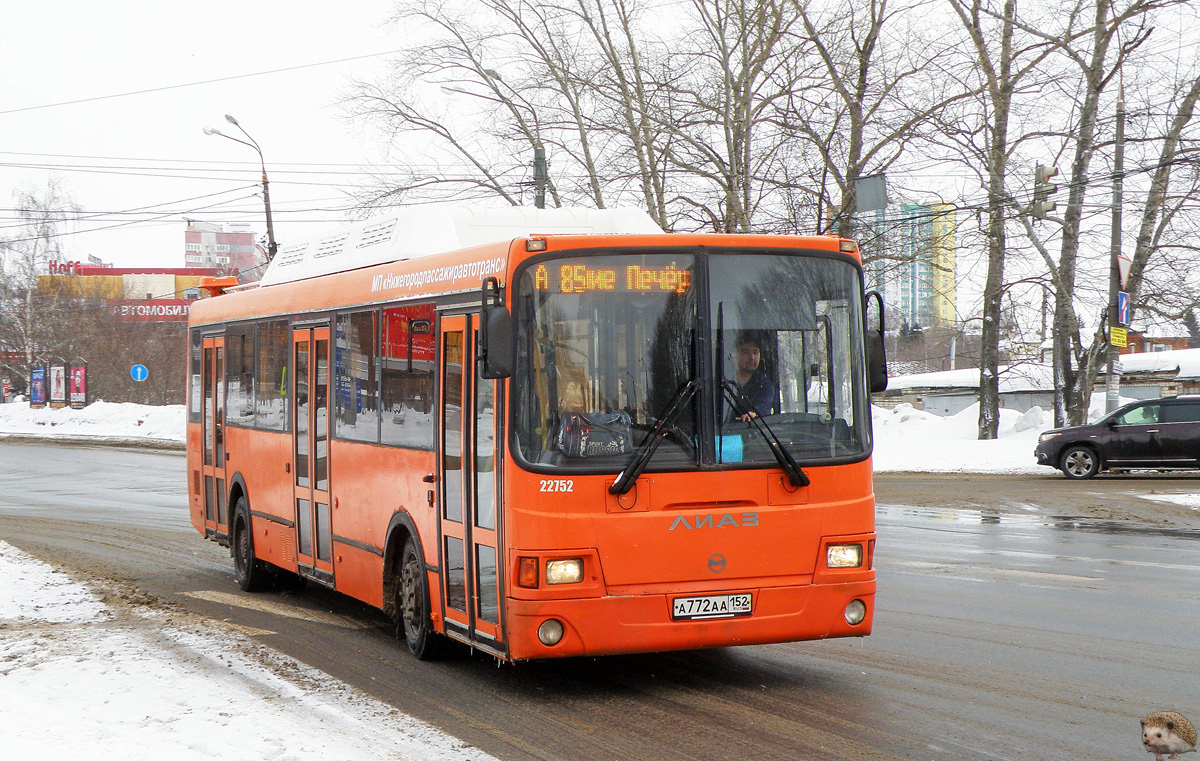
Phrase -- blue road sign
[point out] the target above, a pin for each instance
(1123, 307)
(139, 373)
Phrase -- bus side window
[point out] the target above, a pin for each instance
(270, 397)
(356, 395)
(239, 374)
(406, 360)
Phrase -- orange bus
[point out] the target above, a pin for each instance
(547, 433)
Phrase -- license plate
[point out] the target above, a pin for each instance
(712, 606)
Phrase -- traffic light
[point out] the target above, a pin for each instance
(1042, 189)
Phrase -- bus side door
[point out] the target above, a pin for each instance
(310, 452)
(468, 520)
(212, 420)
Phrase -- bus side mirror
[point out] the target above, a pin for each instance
(495, 334)
(876, 353)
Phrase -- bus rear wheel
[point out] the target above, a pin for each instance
(249, 572)
(412, 606)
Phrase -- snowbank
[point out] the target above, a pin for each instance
(79, 679)
(103, 421)
(907, 439)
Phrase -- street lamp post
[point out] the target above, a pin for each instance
(271, 244)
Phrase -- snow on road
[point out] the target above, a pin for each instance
(79, 679)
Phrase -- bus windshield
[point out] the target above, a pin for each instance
(610, 344)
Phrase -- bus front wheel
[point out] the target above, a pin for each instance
(248, 571)
(412, 606)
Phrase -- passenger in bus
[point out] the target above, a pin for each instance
(757, 391)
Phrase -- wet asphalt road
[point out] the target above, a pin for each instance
(998, 634)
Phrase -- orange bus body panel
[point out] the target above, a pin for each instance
(194, 437)
(674, 534)
(370, 485)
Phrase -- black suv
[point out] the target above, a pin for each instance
(1161, 433)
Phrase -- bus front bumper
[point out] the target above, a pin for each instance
(643, 623)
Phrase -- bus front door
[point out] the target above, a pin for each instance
(310, 452)
(470, 549)
(216, 511)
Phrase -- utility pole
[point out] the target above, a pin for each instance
(272, 246)
(540, 176)
(1112, 398)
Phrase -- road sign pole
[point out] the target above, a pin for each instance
(1112, 397)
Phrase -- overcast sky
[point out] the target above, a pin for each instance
(147, 151)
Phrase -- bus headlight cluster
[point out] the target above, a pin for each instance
(569, 571)
(844, 556)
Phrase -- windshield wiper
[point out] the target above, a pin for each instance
(649, 445)
(782, 455)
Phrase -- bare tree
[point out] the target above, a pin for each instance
(1004, 61)
(1163, 213)
(876, 82)
(1104, 49)
(741, 68)
(26, 326)
(446, 158)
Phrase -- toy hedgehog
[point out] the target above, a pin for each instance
(1167, 732)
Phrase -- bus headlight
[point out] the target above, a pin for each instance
(843, 556)
(569, 571)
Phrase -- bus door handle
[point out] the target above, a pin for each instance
(429, 478)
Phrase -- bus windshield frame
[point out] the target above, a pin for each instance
(608, 340)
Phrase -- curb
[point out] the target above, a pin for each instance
(166, 445)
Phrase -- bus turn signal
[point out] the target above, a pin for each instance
(527, 573)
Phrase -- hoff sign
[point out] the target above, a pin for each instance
(64, 268)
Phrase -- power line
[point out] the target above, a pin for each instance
(196, 84)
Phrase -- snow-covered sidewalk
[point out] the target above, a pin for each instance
(82, 679)
(101, 422)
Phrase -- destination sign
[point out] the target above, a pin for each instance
(576, 277)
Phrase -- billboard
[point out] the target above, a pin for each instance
(78, 387)
(37, 387)
(58, 385)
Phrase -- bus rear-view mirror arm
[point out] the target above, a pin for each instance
(495, 333)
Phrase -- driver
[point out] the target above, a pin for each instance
(757, 391)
